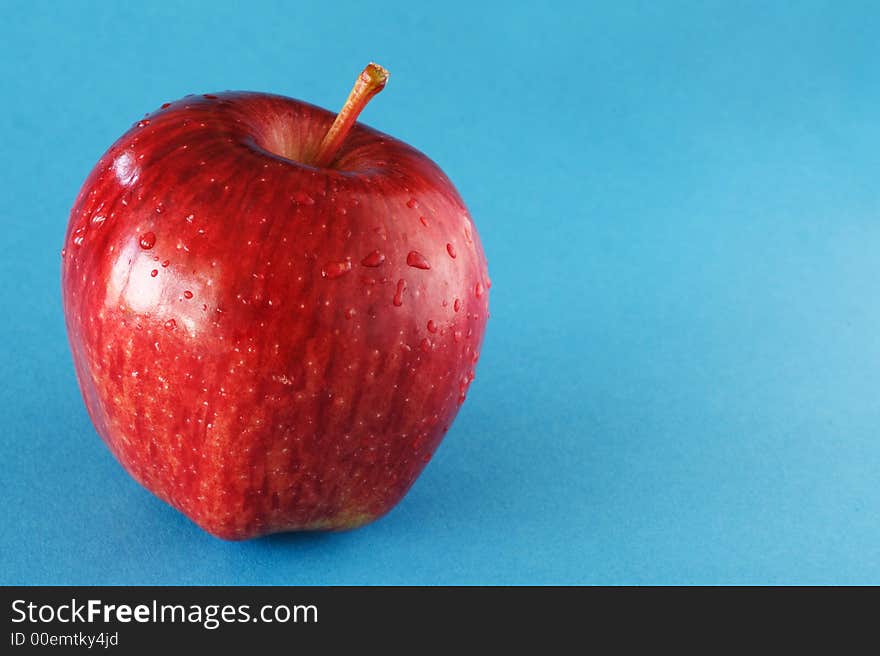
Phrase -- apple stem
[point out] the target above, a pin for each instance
(370, 82)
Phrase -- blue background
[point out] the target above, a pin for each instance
(681, 210)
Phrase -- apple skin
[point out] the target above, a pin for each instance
(265, 345)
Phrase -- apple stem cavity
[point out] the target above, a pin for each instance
(370, 82)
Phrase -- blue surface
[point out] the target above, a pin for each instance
(681, 210)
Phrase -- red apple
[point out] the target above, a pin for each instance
(274, 312)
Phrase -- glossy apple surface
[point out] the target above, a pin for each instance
(266, 345)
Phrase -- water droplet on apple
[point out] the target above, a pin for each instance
(143, 123)
(398, 294)
(417, 260)
(63, 252)
(303, 198)
(171, 324)
(423, 221)
(457, 305)
(209, 96)
(412, 203)
(432, 327)
(478, 289)
(79, 236)
(154, 273)
(374, 259)
(165, 106)
(451, 250)
(187, 294)
(98, 219)
(425, 345)
(335, 269)
(148, 240)
(165, 263)
(349, 313)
